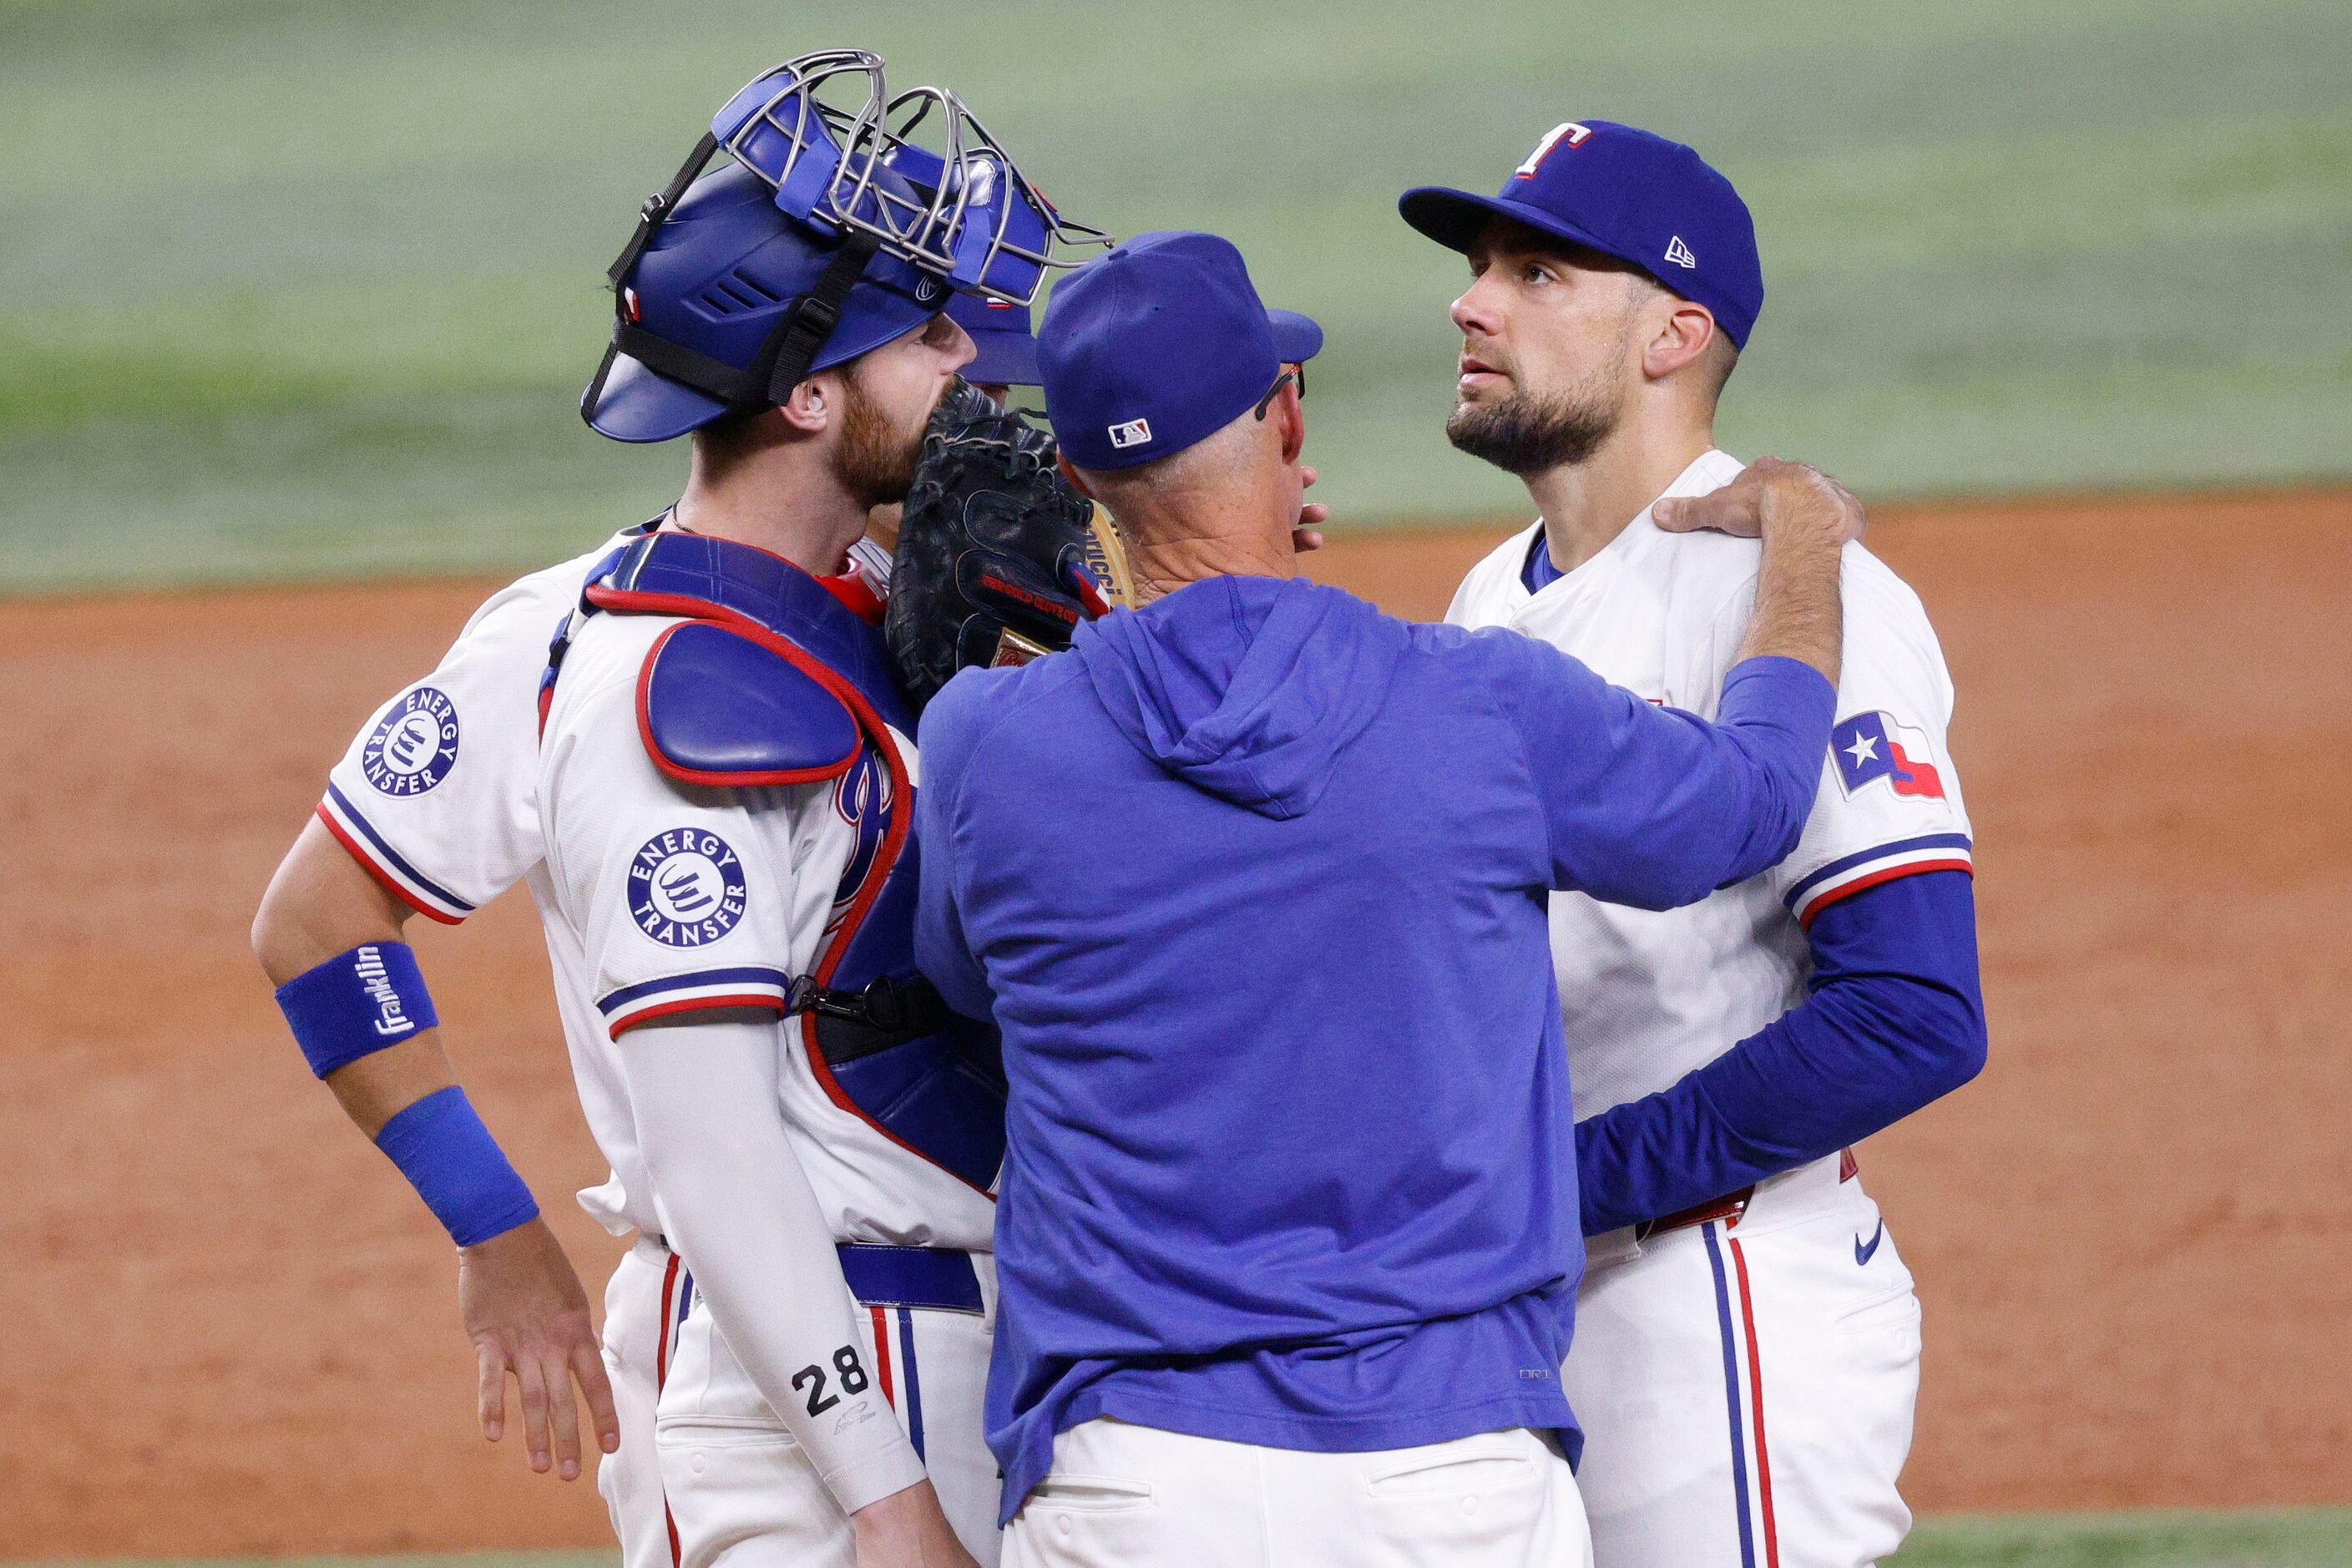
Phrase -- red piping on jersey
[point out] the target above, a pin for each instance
(635, 1017)
(748, 778)
(1875, 878)
(367, 864)
(894, 840)
(1756, 1406)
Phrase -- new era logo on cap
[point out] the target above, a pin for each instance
(1134, 433)
(1680, 254)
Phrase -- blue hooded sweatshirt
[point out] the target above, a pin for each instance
(1253, 880)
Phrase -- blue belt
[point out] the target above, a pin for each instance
(911, 1277)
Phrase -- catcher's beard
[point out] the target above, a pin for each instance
(877, 458)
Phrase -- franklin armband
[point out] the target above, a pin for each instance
(374, 997)
(356, 1004)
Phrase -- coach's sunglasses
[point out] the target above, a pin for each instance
(1287, 377)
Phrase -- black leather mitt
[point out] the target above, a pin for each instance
(996, 549)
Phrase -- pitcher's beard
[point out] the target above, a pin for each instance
(877, 458)
(1525, 435)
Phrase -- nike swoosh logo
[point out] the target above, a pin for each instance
(1864, 1253)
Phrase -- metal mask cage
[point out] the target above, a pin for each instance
(791, 124)
(963, 209)
(985, 222)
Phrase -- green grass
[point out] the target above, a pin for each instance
(299, 288)
(2279, 1538)
(2283, 1538)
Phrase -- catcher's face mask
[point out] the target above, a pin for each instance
(823, 131)
(708, 314)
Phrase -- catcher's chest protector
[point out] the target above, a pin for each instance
(771, 681)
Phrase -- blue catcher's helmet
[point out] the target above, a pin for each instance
(705, 314)
(811, 247)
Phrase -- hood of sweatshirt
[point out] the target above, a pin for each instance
(1249, 688)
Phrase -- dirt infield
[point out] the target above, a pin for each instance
(229, 1329)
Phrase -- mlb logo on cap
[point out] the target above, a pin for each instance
(1157, 344)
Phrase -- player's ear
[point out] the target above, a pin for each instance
(814, 404)
(1680, 334)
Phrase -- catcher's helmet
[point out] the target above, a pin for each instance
(706, 315)
(829, 233)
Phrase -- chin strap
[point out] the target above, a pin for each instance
(658, 208)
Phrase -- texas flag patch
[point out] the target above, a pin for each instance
(1871, 746)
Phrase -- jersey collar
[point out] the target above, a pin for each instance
(1710, 470)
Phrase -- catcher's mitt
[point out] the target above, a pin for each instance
(999, 557)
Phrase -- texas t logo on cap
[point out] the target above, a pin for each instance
(1134, 433)
(1572, 132)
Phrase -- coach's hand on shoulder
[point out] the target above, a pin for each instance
(1806, 519)
(1771, 495)
(908, 1529)
(527, 1317)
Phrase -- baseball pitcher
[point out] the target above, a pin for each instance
(1747, 1339)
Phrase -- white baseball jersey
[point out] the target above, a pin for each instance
(680, 897)
(439, 798)
(1648, 997)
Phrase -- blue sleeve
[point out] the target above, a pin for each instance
(941, 951)
(1656, 807)
(1895, 1019)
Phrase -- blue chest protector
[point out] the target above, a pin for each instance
(770, 681)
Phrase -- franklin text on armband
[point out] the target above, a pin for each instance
(391, 1018)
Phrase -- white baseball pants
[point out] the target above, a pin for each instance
(1746, 1386)
(740, 1491)
(637, 1299)
(1122, 1496)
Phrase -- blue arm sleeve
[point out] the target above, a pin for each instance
(1894, 1021)
(941, 950)
(1656, 807)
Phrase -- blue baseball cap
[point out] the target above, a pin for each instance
(1000, 331)
(1653, 203)
(1157, 344)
